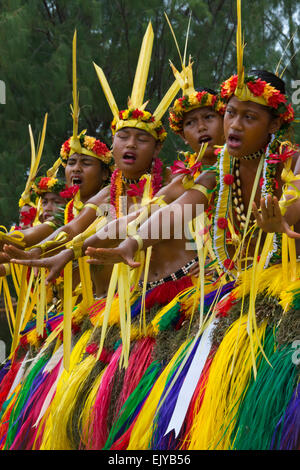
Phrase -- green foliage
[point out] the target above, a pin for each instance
(36, 65)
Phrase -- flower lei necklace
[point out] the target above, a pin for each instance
(116, 186)
(74, 206)
(225, 179)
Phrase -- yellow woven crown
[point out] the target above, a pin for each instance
(250, 88)
(136, 115)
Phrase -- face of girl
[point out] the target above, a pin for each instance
(87, 173)
(247, 127)
(51, 203)
(203, 125)
(133, 151)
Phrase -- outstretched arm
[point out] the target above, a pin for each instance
(167, 222)
(78, 225)
(108, 236)
(173, 190)
(33, 235)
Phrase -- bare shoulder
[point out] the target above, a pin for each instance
(101, 197)
(207, 178)
(172, 190)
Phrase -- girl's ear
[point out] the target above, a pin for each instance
(112, 142)
(158, 147)
(275, 125)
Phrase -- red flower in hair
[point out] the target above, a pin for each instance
(66, 146)
(233, 83)
(289, 114)
(200, 95)
(257, 87)
(43, 184)
(213, 100)
(229, 86)
(275, 99)
(137, 113)
(99, 148)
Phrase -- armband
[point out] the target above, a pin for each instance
(76, 245)
(51, 224)
(60, 238)
(7, 269)
(139, 241)
(17, 239)
(91, 206)
(187, 182)
(202, 189)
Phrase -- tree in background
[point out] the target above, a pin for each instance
(36, 64)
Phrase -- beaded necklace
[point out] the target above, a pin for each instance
(237, 196)
(228, 196)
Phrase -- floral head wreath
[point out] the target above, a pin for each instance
(251, 88)
(135, 115)
(88, 146)
(46, 184)
(140, 119)
(191, 99)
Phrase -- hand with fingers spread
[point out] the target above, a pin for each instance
(12, 251)
(55, 264)
(4, 258)
(270, 219)
(194, 270)
(124, 253)
(2, 270)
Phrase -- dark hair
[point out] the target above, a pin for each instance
(274, 81)
(208, 90)
(269, 77)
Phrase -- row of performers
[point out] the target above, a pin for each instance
(143, 341)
